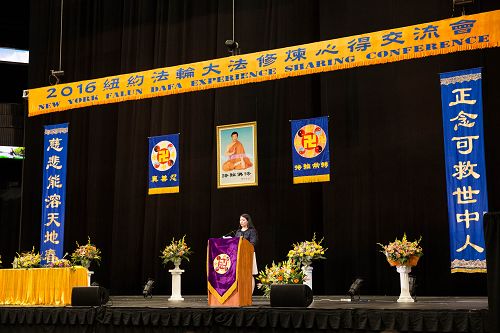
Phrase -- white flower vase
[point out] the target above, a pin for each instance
(176, 281)
(404, 296)
(308, 271)
(86, 264)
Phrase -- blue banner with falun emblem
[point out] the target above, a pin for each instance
(163, 164)
(310, 151)
(54, 192)
(461, 97)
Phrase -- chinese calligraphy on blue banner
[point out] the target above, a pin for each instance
(164, 164)
(310, 152)
(54, 191)
(461, 96)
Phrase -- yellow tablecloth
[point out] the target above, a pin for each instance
(40, 286)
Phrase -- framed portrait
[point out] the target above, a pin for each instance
(237, 155)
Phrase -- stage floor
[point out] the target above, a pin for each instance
(326, 314)
(320, 302)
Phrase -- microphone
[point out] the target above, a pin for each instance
(231, 233)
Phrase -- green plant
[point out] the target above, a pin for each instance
(28, 259)
(307, 251)
(401, 251)
(176, 251)
(85, 254)
(285, 272)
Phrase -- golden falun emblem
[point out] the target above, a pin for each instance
(163, 155)
(222, 263)
(310, 141)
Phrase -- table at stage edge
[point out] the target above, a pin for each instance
(40, 286)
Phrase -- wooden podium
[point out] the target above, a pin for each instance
(242, 294)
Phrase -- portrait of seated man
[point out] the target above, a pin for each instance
(237, 159)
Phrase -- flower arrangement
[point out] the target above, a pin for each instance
(59, 263)
(285, 272)
(176, 251)
(28, 259)
(307, 251)
(85, 254)
(402, 252)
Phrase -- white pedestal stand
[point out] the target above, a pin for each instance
(86, 264)
(405, 296)
(176, 283)
(89, 275)
(308, 271)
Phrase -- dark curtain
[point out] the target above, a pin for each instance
(385, 125)
(11, 134)
(492, 240)
(10, 208)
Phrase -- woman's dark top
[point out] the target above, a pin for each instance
(249, 234)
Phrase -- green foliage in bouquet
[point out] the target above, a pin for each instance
(85, 254)
(176, 251)
(59, 263)
(28, 259)
(285, 272)
(400, 252)
(307, 251)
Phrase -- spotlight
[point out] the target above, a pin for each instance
(232, 46)
(461, 3)
(57, 73)
(355, 288)
(55, 76)
(148, 288)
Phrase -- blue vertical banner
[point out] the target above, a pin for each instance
(310, 151)
(461, 97)
(163, 164)
(54, 191)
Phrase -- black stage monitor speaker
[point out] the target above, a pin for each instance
(291, 295)
(89, 296)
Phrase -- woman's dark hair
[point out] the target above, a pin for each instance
(236, 135)
(249, 219)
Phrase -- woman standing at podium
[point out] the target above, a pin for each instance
(247, 230)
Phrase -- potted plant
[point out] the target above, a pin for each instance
(86, 254)
(285, 272)
(402, 252)
(404, 255)
(59, 263)
(28, 259)
(304, 253)
(175, 252)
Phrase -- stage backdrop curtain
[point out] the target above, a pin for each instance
(384, 120)
(492, 240)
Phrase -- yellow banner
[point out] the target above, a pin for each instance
(451, 35)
